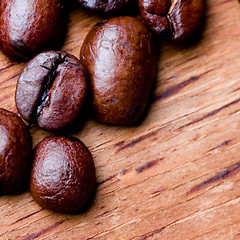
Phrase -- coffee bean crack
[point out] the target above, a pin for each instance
(167, 27)
(44, 100)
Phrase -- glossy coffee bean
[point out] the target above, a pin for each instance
(173, 20)
(63, 174)
(120, 57)
(51, 90)
(29, 27)
(15, 153)
(109, 6)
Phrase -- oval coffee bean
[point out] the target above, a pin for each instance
(15, 153)
(51, 90)
(110, 6)
(63, 174)
(120, 57)
(172, 20)
(30, 27)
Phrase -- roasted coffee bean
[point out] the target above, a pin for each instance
(51, 90)
(15, 153)
(106, 6)
(174, 20)
(63, 174)
(30, 27)
(120, 57)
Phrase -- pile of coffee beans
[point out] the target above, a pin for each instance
(116, 67)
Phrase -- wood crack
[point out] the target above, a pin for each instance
(220, 176)
(216, 229)
(210, 114)
(38, 234)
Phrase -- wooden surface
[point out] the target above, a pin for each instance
(174, 176)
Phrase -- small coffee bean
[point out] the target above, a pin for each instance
(63, 174)
(51, 90)
(30, 27)
(15, 153)
(110, 6)
(174, 20)
(120, 57)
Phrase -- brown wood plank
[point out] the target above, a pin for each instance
(176, 175)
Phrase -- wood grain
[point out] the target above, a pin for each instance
(175, 175)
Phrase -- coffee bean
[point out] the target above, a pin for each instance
(63, 174)
(51, 90)
(120, 57)
(30, 27)
(174, 20)
(15, 153)
(109, 6)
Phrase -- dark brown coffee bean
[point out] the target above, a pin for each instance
(174, 20)
(120, 57)
(106, 6)
(63, 174)
(15, 153)
(30, 27)
(51, 90)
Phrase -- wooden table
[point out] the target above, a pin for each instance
(174, 176)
